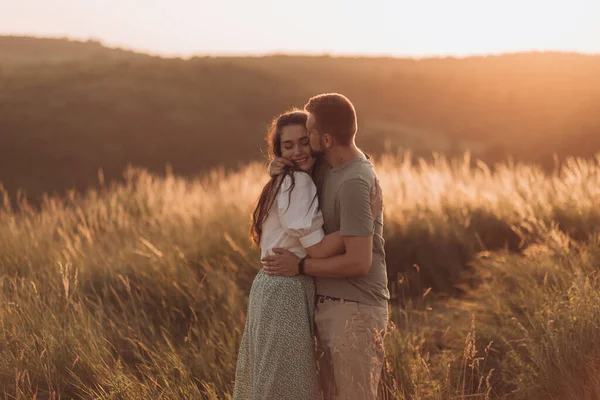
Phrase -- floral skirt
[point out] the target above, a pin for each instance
(276, 359)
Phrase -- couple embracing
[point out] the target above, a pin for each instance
(319, 225)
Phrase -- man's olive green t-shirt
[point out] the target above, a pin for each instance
(344, 199)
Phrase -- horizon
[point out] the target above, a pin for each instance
(295, 54)
(382, 28)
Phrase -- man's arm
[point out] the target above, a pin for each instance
(355, 262)
(356, 229)
(331, 245)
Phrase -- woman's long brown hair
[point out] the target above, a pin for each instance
(269, 193)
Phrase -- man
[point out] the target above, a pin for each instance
(351, 312)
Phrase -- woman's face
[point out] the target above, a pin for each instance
(295, 146)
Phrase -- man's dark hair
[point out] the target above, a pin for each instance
(334, 114)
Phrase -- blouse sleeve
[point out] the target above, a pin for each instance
(298, 209)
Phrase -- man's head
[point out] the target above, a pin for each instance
(331, 121)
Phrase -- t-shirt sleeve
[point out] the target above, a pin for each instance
(298, 209)
(355, 208)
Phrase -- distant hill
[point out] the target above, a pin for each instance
(30, 50)
(68, 108)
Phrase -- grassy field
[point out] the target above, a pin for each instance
(139, 290)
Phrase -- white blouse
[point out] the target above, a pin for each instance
(294, 221)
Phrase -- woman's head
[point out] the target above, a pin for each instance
(288, 138)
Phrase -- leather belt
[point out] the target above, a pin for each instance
(322, 299)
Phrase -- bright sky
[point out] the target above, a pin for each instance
(394, 27)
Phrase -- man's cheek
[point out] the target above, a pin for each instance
(316, 145)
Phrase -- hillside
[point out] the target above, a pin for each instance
(19, 50)
(68, 108)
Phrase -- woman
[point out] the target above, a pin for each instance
(276, 359)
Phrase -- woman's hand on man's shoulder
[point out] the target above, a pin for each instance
(277, 165)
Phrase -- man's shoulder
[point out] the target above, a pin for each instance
(361, 170)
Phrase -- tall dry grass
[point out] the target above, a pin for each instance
(139, 290)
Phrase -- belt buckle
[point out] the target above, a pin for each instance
(322, 299)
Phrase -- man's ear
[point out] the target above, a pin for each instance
(328, 140)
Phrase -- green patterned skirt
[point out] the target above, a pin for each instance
(276, 359)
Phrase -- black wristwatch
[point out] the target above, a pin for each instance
(301, 266)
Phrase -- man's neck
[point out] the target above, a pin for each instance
(340, 155)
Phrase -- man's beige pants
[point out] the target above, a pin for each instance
(350, 351)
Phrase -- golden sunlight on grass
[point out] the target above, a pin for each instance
(140, 290)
